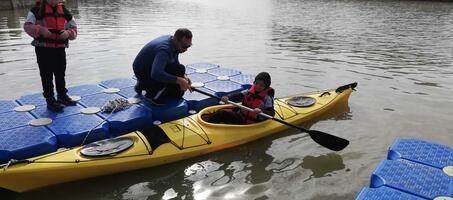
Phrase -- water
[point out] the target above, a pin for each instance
(400, 53)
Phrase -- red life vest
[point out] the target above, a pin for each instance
(55, 21)
(253, 100)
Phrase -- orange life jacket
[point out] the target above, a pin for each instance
(253, 100)
(54, 20)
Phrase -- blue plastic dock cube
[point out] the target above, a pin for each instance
(98, 100)
(72, 130)
(43, 112)
(128, 92)
(25, 142)
(222, 88)
(32, 99)
(197, 101)
(174, 109)
(118, 83)
(190, 70)
(7, 106)
(201, 77)
(385, 193)
(202, 66)
(14, 119)
(128, 120)
(224, 72)
(85, 90)
(436, 155)
(410, 177)
(246, 80)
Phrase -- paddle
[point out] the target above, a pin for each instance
(326, 140)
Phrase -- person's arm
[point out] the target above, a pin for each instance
(70, 26)
(267, 107)
(30, 26)
(237, 97)
(158, 69)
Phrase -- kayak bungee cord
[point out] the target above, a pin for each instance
(181, 147)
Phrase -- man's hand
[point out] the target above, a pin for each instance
(224, 99)
(189, 81)
(43, 31)
(183, 83)
(64, 35)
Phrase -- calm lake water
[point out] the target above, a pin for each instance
(400, 53)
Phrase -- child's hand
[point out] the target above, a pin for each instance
(43, 31)
(64, 35)
(257, 110)
(224, 99)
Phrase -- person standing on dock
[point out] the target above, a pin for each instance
(51, 25)
(158, 70)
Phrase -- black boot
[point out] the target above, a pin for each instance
(138, 89)
(54, 105)
(66, 100)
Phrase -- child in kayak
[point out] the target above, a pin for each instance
(259, 97)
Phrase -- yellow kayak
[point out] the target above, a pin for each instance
(169, 142)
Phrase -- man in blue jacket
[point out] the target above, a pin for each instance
(158, 70)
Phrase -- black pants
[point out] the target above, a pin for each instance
(52, 62)
(226, 117)
(159, 90)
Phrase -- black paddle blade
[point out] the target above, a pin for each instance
(331, 142)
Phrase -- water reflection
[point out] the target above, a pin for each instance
(322, 165)
(139, 191)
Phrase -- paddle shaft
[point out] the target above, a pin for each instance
(252, 110)
(329, 141)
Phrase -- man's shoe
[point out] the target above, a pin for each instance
(66, 100)
(138, 90)
(54, 105)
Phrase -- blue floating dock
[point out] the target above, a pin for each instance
(246, 80)
(127, 92)
(7, 106)
(25, 142)
(42, 112)
(14, 119)
(33, 99)
(202, 66)
(190, 70)
(69, 127)
(385, 193)
(118, 83)
(197, 101)
(72, 130)
(414, 170)
(413, 178)
(201, 77)
(98, 100)
(175, 109)
(85, 90)
(128, 120)
(222, 88)
(435, 155)
(224, 72)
